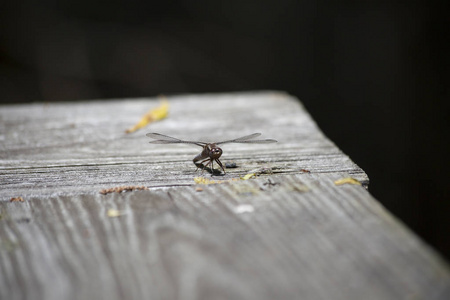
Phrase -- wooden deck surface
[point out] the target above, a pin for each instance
(289, 233)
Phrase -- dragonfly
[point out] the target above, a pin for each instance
(211, 151)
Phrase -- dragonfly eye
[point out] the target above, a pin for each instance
(216, 152)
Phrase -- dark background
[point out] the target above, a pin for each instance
(373, 74)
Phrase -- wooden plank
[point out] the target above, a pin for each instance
(298, 237)
(61, 149)
(287, 235)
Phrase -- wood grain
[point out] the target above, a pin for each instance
(287, 235)
(62, 149)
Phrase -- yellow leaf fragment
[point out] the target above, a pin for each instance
(248, 176)
(203, 180)
(152, 115)
(347, 180)
(112, 213)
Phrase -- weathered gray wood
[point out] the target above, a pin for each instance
(287, 235)
(60, 149)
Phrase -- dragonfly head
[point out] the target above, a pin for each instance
(215, 152)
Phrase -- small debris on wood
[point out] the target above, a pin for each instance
(305, 171)
(198, 189)
(230, 165)
(347, 180)
(246, 190)
(121, 189)
(298, 187)
(255, 173)
(16, 199)
(113, 213)
(152, 115)
(244, 208)
(270, 182)
(23, 220)
(263, 170)
(248, 176)
(203, 180)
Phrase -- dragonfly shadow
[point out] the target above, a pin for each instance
(213, 172)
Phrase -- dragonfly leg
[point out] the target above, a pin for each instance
(200, 164)
(205, 166)
(220, 164)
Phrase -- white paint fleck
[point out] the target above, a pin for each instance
(244, 208)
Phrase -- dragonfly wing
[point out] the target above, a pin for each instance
(239, 140)
(249, 139)
(161, 138)
(165, 139)
(266, 141)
